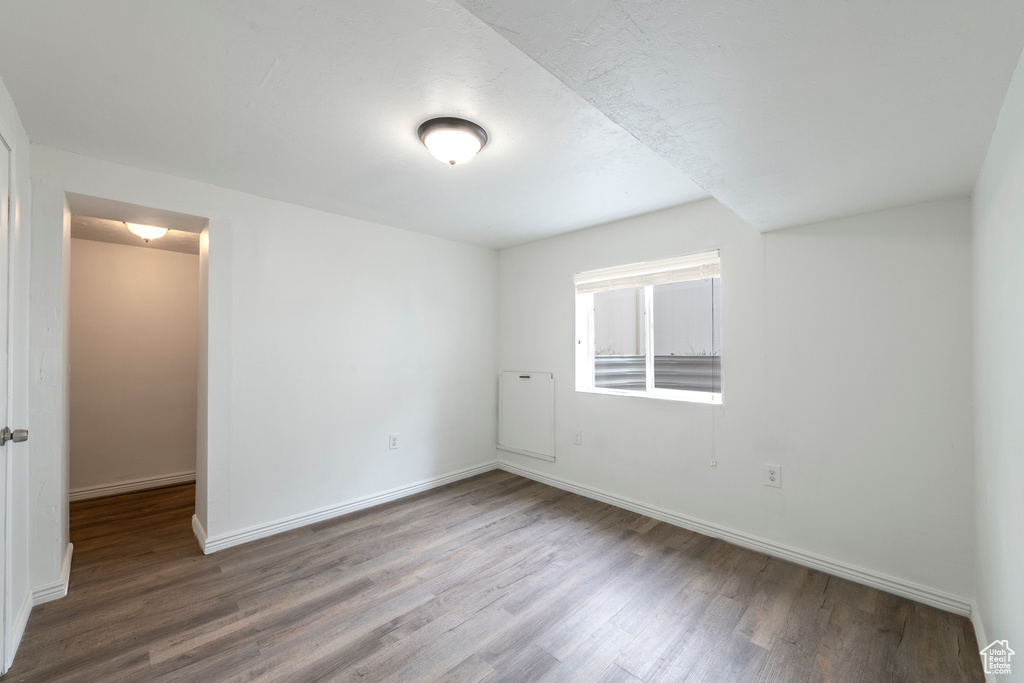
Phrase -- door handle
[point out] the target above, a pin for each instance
(17, 436)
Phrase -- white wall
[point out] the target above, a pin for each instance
(999, 378)
(324, 334)
(21, 455)
(845, 359)
(134, 363)
(51, 238)
(202, 395)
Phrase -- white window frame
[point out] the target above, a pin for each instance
(636, 275)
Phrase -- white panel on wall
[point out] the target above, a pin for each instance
(526, 414)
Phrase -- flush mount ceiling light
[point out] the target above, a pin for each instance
(147, 232)
(452, 140)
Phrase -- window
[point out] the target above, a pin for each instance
(651, 329)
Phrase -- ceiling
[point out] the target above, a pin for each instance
(790, 111)
(787, 112)
(103, 220)
(318, 104)
(115, 232)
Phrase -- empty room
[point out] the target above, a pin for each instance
(465, 340)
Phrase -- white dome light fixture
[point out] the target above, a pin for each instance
(451, 140)
(147, 232)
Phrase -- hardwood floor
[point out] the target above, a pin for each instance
(494, 578)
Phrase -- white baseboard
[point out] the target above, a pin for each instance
(58, 589)
(18, 629)
(104, 490)
(867, 577)
(200, 532)
(211, 544)
(37, 596)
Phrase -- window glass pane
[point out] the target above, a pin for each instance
(687, 336)
(619, 340)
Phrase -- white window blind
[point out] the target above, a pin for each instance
(682, 269)
(651, 329)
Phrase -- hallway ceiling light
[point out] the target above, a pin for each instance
(147, 232)
(452, 140)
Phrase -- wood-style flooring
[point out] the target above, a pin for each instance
(494, 578)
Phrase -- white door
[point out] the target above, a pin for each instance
(5, 194)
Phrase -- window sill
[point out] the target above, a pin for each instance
(683, 396)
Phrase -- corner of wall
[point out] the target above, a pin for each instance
(203, 396)
(18, 624)
(48, 396)
(200, 533)
(58, 589)
(997, 283)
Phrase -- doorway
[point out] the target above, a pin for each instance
(134, 304)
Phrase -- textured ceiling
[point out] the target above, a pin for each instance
(787, 112)
(317, 103)
(103, 220)
(123, 212)
(115, 232)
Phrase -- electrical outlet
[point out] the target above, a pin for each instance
(393, 441)
(773, 475)
(577, 438)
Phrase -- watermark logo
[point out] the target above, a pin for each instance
(996, 657)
